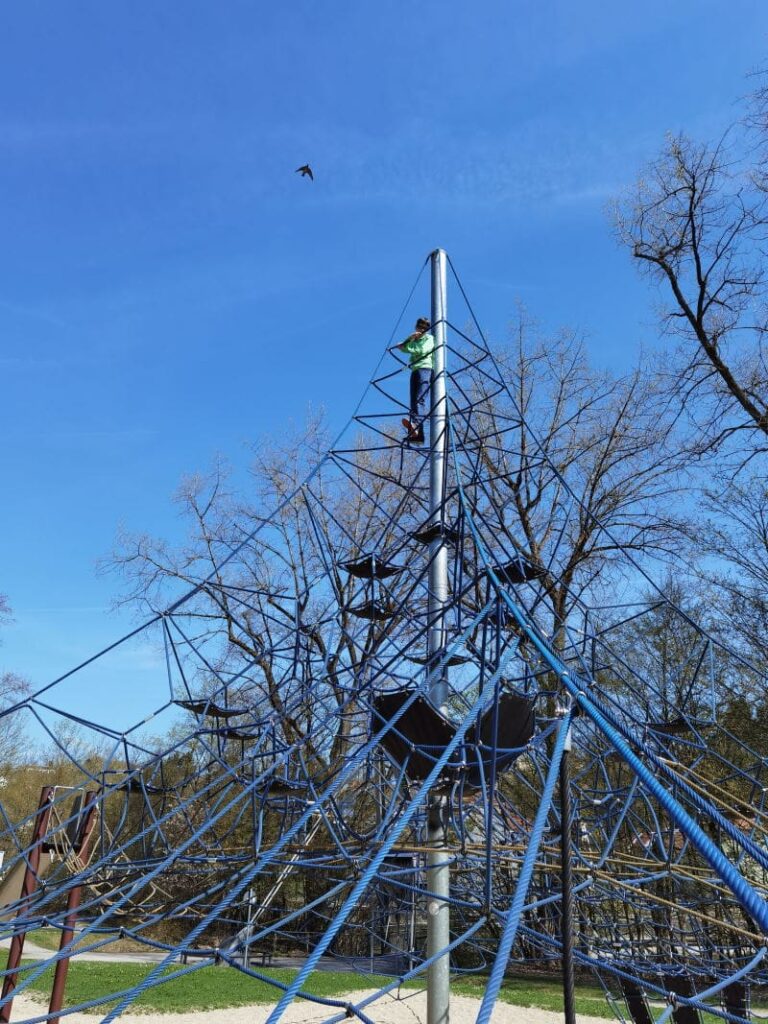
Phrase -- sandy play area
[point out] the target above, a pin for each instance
(410, 1009)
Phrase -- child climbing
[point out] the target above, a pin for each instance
(420, 346)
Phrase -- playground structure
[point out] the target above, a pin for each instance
(391, 746)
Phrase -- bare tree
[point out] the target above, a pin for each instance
(271, 598)
(583, 469)
(13, 688)
(575, 471)
(733, 532)
(697, 223)
(568, 466)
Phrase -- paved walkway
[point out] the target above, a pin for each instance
(34, 952)
(153, 956)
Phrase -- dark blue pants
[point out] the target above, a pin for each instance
(421, 387)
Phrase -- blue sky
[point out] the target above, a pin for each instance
(171, 290)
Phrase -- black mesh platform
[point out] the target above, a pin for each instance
(371, 568)
(422, 733)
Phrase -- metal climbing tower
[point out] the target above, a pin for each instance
(364, 698)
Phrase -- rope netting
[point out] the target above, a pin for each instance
(283, 818)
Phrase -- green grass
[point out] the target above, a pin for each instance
(218, 987)
(542, 993)
(50, 938)
(210, 988)
(46, 938)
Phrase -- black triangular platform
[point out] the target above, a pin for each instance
(519, 570)
(230, 733)
(636, 1001)
(428, 659)
(207, 707)
(371, 568)
(135, 785)
(422, 733)
(377, 611)
(682, 985)
(426, 534)
(516, 723)
(673, 728)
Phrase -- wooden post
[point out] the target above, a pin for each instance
(73, 902)
(28, 887)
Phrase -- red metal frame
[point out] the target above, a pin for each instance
(73, 903)
(28, 887)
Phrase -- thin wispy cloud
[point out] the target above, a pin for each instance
(135, 434)
(21, 135)
(32, 312)
(31, 364)
(538, 160)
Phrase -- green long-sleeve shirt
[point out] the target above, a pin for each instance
(421, 349)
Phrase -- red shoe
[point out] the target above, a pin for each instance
(414, 436)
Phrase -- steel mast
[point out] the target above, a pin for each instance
(438, 857)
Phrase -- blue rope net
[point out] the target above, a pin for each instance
(284, 817)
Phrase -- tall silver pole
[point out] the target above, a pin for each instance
(566, 875)
(438, 857)
(438, 435)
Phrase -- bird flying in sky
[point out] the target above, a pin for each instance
(305, 171)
